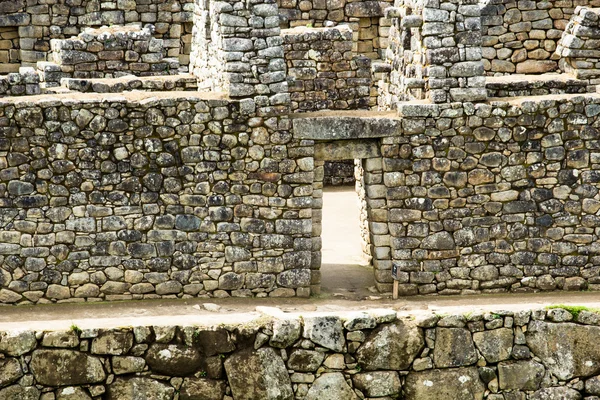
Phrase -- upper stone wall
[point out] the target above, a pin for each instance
(521, 36)
(39, 22)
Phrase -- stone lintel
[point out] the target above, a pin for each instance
(347, 150)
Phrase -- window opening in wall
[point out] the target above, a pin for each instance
(345, 265)
(10, 55)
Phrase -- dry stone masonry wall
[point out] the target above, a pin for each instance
(112, 52)
(536, 355)
(323, 72)
(578, 47)
(39, 22)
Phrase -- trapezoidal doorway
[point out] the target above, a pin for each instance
(343, 249)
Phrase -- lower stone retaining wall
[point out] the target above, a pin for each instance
(537, 355)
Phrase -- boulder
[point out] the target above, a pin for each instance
(520, 375)
(215, 342)
(285, 332)
(378, 383)
(455, 384)
(556, 393)
(453, 348)
(18, 392)
(201, 388)
(10, 371)
(139, 388)
(112, 342)
(495, 345)
(305, 360)
(72, 393)
(16, 343)
(331, 386)
(173, 359)
(325, 331)
(66, 367)
(258, 375)
(567, 350)
(391, 347)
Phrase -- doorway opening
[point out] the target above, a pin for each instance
(346, 269)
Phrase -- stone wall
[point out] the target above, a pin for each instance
(111, 52)
(26, 82)
(323, 72)
(495, 197)
(38, 22)
(539, 355)
(578, 45)
(522, 36)
(10, 57)
(148, 195)
(435, 53)
(365, 18)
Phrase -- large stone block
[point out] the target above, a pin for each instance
(331, 386)
(455, 384)
(173, 359)
(139, 388)
(258, 375)
(66, 367)
(453, 348)
(391, 347)
(567, 350)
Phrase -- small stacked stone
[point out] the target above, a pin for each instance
(323, 71)
(579, 44)
(22, 83)
(112, 52)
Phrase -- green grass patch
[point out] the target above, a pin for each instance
(574, 310)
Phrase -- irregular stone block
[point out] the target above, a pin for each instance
(325, 331)
(173, 359)
(567, 350)
(520, 375)
(455, 383)
(391, 347)
(331, 386)
(453, 348)
(378, 383)
(139, 388)
(495, 345)
(64, 367)
(200, 388)
(260, 374)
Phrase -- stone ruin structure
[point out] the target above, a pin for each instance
(172, 149)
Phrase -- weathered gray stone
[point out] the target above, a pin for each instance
(10, 371)
(556, 393)
(567, 350)
(285, 332)
(112, 342)
(64, 367)
(259, 374)
(201, 388)
(378, 383)
(325, 331)
(495, 345)
(173, 359)
(72, 393)
(520, 375)
(391, 347)
(16, 343)
(18, 392)
(139, 388)
(305, 360)
(453, 348)
(330, 386)
(455, 383)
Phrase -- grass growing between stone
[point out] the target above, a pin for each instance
(574, 310)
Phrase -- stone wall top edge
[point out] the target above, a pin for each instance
(580, 315)
(142, 98)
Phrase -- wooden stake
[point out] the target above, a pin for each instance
(395, 292)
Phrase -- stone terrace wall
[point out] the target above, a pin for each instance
(496, 197)
(538, 355)
(323, 72)
(521, 36)
(39, 21)
(578, 46)
(113, 198)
